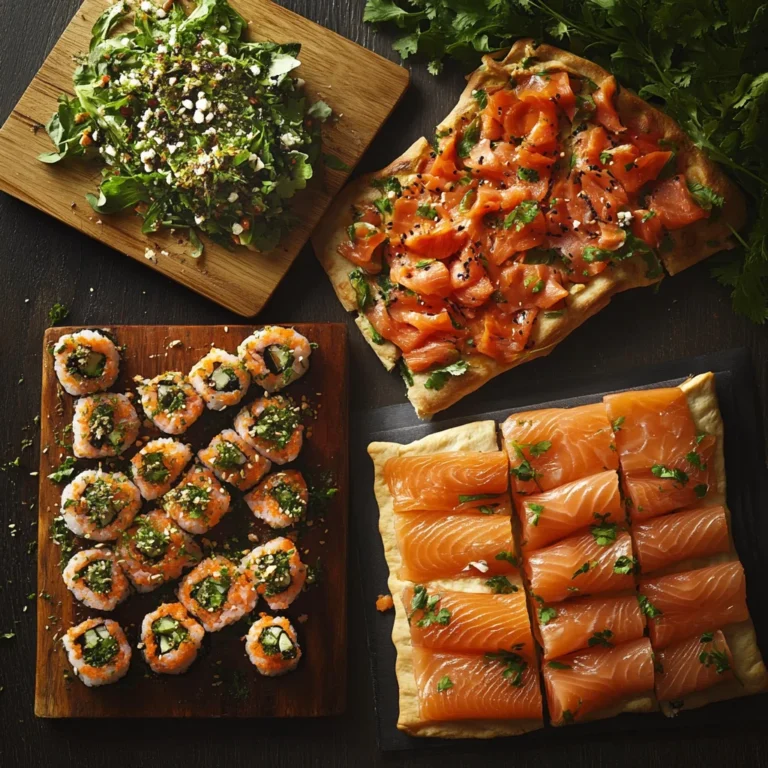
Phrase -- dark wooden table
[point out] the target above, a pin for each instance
(42, 261)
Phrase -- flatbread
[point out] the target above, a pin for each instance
(689, 245)
(478, 436)
(748, 665)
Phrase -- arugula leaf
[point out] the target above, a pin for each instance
(362, 288)
(110, 18)
(439, 377)
(64, 470)
(117, 193)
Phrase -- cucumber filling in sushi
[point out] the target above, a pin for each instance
(98, 576)
(169, 633)
(274, 640)
(99, 647)
(170, 397)
(102, 427)
(276, 423)
(86, 362)
(101, 504)
(279, 359)
(151, 542)
(273, 570)
(211, 592)
(224, 379)
(153, 468)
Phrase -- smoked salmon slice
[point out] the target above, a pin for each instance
(689, 603)
(692, 665)
(497, 686)
(445, 482)
(589, 622)
(652, 426)
(469, 622)
(582, 565)
(436, 546)
(552, 515)
(585, 682)
(680, 536)
(554, 446)
(684, 482)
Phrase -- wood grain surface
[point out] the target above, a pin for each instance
(361, 87)
(45, 261)
(222, 682)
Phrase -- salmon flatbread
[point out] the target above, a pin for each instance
(547, 190)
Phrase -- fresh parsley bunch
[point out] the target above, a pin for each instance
(704, 62)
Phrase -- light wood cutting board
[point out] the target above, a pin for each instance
(221, 682)
(359, 85)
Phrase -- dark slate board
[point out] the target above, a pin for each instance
(747, 499)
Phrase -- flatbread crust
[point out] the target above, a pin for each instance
(689, 245)
(478, 436)
(748, 665)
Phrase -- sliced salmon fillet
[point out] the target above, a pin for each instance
(555, 514)
(473, 622)
(554, 446)
(435, 546)
(580, 565)
(652, 426)
(473, 687)
(680, 536)
(443, 482)
(674, 205)
(692, 665)
(689, 603)
(587, 681)
(588, 622)
(679, 483)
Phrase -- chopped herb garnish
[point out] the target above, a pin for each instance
(718, 659)
(527, 174)
(514, 665)
(65, 469)
(617, 423)
(536, 510)
(509, 557)
(700, 490)
(440, 376)
(522, 215)
(501, 585)
(589, 565)
(445, 682)
(57, 313)
(648, 608)
(707, 637)
(605, 533)
(547, 614)
(558, 665)
(601, 638)
(625, 565)
(476, 497)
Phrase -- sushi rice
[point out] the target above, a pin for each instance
(275, 356)
(98, 651)
(277, 571)
(103, 425)
(94, 577)
(158, 464)
(234, 460)
(100, 505)
(170, 402)
(217, 593)
(220, 379)
(272, 646)
(272, 425)
(86, 362)
(198, 502)
(280, 500)
(171, 639)
(156, 550)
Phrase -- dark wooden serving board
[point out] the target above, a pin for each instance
(221, 682)
(747, 492)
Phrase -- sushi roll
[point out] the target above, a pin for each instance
(98, 651)
(272, 425)
(86, 362)
(277, 571)
(275, 356)
(281, 499)
(234, 461)
(272, 646)
(217, 593)
(96, 580)
(170, 401)
(220, 379)
(103, 425)
(198, 502)
(158, 464)
(171, 639)
(156, 550)
(100, 505)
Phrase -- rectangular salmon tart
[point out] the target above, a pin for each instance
(547, 190)
(456, 638)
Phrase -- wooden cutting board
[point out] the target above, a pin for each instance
(221, 682)
(359, 85)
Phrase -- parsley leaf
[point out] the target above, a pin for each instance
(444, 683)
(65, 469)
(469, 137)
(665, 473)
(501, 585)
(558, 665)
(588, 566)
(648, 608)
(522, 214)
(510, 557)
(605, 533)
(362, 289)
(57, 313)
(536, 510)
(625, 565)
(514, 665)
(601, 638)
(527, 174)
(437, 378)
(705, 197)
(547, 614)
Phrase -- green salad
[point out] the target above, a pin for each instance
(197, 128)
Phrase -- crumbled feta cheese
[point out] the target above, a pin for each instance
(222, 107)
(205, 42)
(237, 229)
(223, 28)
(162, 49)
(201, 103)
(255, 70)
(199, 220)
(151, 133)
(188, 103)
(198, 117)
(624, 218)
(233, 197)
(172, 81)
(172, 148)
(141, 125)
(146, 6)
(147, 155)
(257, 162)
(150, 255)
(209, 117)
(160, 13)
(576, 223)
(110, 150)
(223, 48)
(289, 140)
